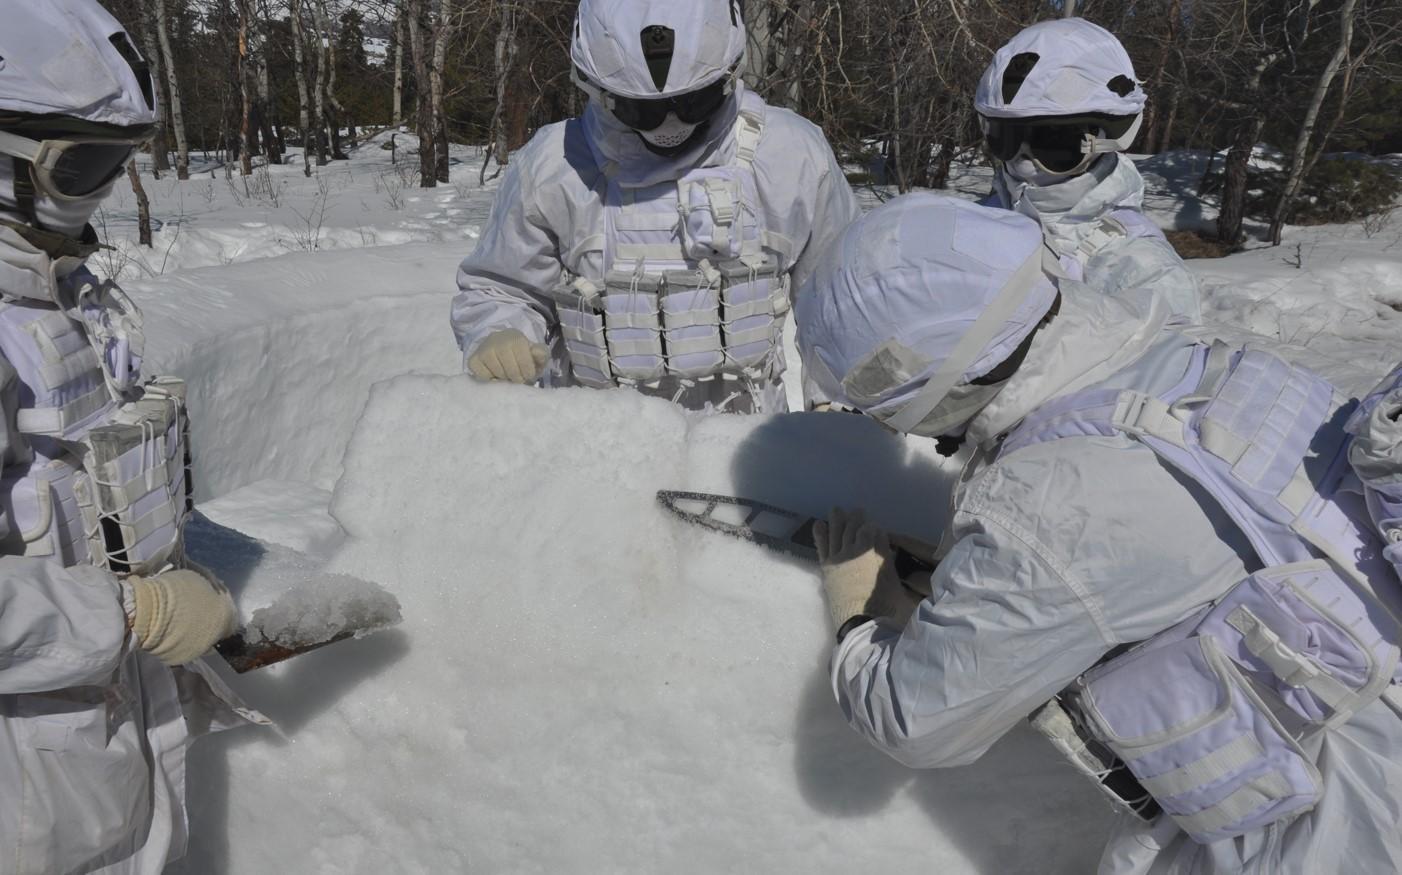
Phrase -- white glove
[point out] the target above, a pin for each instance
(508, 355)
(854, 557)
(179, 615)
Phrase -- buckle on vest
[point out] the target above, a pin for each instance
(1139, 414)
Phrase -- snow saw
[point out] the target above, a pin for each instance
(779, 529)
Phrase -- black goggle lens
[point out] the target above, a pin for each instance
(1057, 147)
(692, 108)
(86, 168)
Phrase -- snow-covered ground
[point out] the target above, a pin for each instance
(580, 683)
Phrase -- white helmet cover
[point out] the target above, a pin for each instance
(1067, 66)
(608, 48)
(921, 296)
(71, 58)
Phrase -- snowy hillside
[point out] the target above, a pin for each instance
(580, 683)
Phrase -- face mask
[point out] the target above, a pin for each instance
(68, 217)
(1024, 169)
(671, 134)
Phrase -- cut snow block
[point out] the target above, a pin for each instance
(284, 597)
(586, 684)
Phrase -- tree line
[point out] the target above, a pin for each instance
(889, 81)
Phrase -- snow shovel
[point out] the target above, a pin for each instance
(780, 529)
(307, 608)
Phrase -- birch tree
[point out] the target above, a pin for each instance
(1302, 140)
(177, 113)
(420, 43)
(303, 99)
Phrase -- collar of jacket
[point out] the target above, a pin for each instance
(1112, 183)
(36, 264)
(1093, 336)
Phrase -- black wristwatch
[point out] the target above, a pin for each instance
(852, 622)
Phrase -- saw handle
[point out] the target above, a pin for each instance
(910, 568)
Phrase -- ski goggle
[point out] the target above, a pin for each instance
(646, 114)
(1056, 148)
(69, 167)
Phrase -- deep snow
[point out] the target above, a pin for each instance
(580, 683)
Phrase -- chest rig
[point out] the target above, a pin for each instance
(694, 286)
(96, 468)
(1205, 720)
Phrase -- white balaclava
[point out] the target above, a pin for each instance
(67, 217)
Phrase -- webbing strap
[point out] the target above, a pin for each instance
(81, 363)
(1221, 441)
(650, 252)
(1231, 757)
(744, 310)
(690, 345)
(1295, 669)
(1262, 791)
(1144, 415)
(649, 347)
(618, 319)
(646, 220)
(1009, 298)
(776, 242)
(690, 318)
(750, 335)
(748, 131)
(54, 421)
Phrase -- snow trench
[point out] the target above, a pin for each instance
(280, 354)
(583, 684)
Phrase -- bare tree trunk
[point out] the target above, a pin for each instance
(322, 120)
(420, 27)
(246, 131)
(758, 37)
(143, 204)
(1155, 83)
(160, 149)
(442, 167)
(334, 110)
(1302, 141)
(177, 113)
(1233, 212)
(398, 117)
(264, 107)
(299, 56)
(505, 57)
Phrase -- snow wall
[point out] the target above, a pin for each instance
(584, 684)
(280, 354)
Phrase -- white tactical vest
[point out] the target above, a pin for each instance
(96, 465)
(694, 286)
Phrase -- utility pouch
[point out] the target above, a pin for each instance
(134, 494)
(1200, 740)
(581, 317)
(1300, 631)
(633, 326)
(753, 301)
(718, 221)
(691, 323)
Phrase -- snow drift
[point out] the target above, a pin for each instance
(584, 684)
